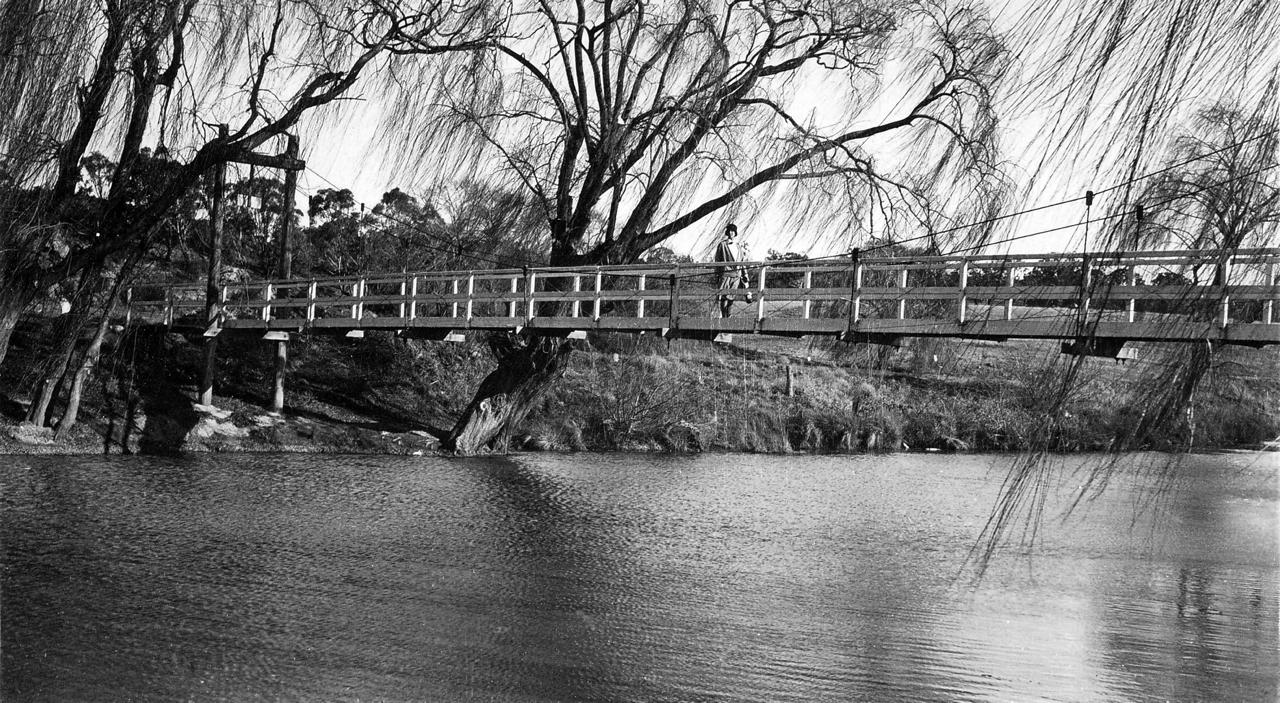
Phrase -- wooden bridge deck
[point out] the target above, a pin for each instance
(1230, 299)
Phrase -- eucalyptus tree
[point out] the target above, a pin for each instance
(627, 122)
(115, 74)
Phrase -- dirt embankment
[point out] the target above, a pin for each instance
(382, 394)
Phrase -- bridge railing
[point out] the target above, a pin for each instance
(1222, 286)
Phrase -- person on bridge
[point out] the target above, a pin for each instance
(731, 278)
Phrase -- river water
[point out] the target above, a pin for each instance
(626, 577)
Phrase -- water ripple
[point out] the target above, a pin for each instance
(641, 578)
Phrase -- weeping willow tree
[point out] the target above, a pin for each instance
(118, 76)
(1172, 105)
(627, 122)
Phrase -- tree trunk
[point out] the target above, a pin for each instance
(51, 384)
(16, 293)
(10, 309)
(526, 369)
(54, 378)
(87, 361)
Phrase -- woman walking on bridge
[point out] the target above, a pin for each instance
(731, 278)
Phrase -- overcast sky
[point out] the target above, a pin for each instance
(344, 155)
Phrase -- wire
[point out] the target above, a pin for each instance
(1180, 164)
(1018, 237)
(459, 249)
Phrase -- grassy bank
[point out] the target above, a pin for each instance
(758, 394)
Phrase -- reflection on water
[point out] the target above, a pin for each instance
(621, 578)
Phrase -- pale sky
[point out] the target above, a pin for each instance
(340, 157)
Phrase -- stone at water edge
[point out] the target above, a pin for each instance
(212, 410)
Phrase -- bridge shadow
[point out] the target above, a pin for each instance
(158, 389)
(378, 415)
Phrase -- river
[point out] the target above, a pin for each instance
(626, 578)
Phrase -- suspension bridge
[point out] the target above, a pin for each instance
(1223, 297)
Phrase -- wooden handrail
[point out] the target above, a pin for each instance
(858, 287)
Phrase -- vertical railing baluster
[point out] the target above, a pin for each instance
(595, 312)
(673, 314)
(1086, 284)
(857, 291)
(453, 289)
(806, 306)
(511, 303)
(964, 285)
(413, 298)
(760, 286)
(357, 304)
(311, 301)
(1268, 308)
(404, 293)
(1225, 276)
(577, 304)
(530, 286)
(902, 300)
(268, 294)
(1008, 303)
(471, 293)
(1131, 280)
(640, 300)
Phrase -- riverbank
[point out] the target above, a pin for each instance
(382, 394)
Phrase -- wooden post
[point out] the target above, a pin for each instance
(577, 304)
(453, 288)
(217, 215)
(1131, 280)
(511, 304)
(360, 286)
(1225, 277)
(285, 263)
(530, 285)
(857, 290)
(282, 362)
(673, 314)
(404, 294)
(902, 301)
(128, 306)
(268, 294)
(286, 214)
(760, 286)
(1268, 308)
(790, 380)
(640, 302)
(311, 301)
(413, 298)
(1086, 282)
(595, 313)
(964, 284)
(1008, 303)
(808, 285)
(471, 292)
